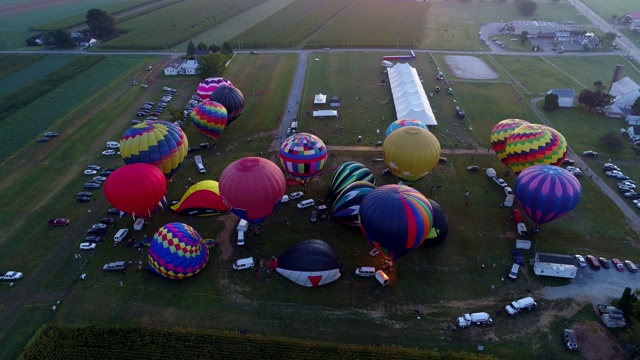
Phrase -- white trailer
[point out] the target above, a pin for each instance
(199, 165)
(555, 265)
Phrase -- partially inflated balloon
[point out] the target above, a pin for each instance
(136, 189)
(395, 219)
(547, 192)
(404, 122)
(535, 144)
(347, 174)
(411, 153)
(210, 118)
(500, 134)
(177, 252)
(208, 86)
(201, 199)
(232, 99)
(440, 228)
(303, 155)
(346, 208)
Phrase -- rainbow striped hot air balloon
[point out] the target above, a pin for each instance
(208, 86)
(303, 156)
(535, 144)
(500, 134)
(158, 143)
(547, 192)
(177, 252)
(402, 123)
(395, 219)
(210, 118)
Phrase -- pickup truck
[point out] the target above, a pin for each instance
(115, 266)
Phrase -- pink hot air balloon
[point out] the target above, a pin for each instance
(208, 86)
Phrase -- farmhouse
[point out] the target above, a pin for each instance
(625, 92)
(409, 97)
(181, 67)
(83, 40)
(633, 19)
(565, 96)
(555, 265)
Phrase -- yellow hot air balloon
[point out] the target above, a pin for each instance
(411, 153)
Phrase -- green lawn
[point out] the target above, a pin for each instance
(612, 7)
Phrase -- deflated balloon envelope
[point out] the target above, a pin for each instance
(311, 263)
(347, 174)
(201, 199)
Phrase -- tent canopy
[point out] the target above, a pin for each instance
(320, 99)
(325, 113)
(408, 95)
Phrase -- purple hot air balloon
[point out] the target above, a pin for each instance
(547, 192)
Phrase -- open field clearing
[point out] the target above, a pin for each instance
(612, 7)
(596, 68)
(32, 72)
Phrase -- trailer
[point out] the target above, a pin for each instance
(555, 265)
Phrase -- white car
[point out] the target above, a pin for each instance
(99, 226)
(109, 152)
(500, 182)
(613, 173)
(90, 172)
(87, 246)
(508, 191)
(285, 199)
(100, 178)
(113, 144)
(296, 195)
(581, 261)
(10, 276)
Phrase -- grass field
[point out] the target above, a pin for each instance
(613, 7)
(32, 72)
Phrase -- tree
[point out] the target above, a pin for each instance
(190, 48)
(101, 24)
(60, 39)
(524, 37)
(593, 99)
(635, 108)
(598, 85)
(226, 48)
(201, 46)
(551, 102)
(625, 301)
(527, 7)
(214, 48)
(211, 65)
(609, 37)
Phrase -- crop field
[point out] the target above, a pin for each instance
(31, 72)
(173, 24)
(613, 7)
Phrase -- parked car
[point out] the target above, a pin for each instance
(108, 220)
(517, 257)
(113, 144)
(43, 139)
(624, 190)
(442, 160)
(99, 226)
(581, 261)
(617, 264)
(115, 266)
(87, 246)
(594, 264)
(633, 196)
(91, 186)
(473, 168)
(314, 216)
(630, 194)
(568, 161)
(500, 182)
(590, 153)
(83, 199)
(193, 149)
(609, 167)
(621, 177)
(296, 195)
(507, 190)
(10, 276)
(51, 134)
(85, 193)
(108, 152)
(93, 167)
(93, 239)
(100, 178)
(90, 172)
(105, 173)
(631, 266)
(113, 211)
(603, 262)
(96, 231)
(570, 340)
(59, 222)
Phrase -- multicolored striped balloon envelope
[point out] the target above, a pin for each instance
(177, 252)
(232, 99)
(159, 143)
(402, 123)
(500, 134)
(547, 192)
(210, 118)
(303, 156)
(208, 86)
(345, 175)
(395, 219)
(535, 144)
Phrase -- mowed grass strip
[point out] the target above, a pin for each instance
(173, 24)
(33, 68)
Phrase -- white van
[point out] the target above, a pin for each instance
(516, 306)
(240, 241)
(120, 235)
(508, 201)
(513, 274)
(366, 271)
(382, 278)
(306, 203)
(243, 225)
(491, 173)
(242, 264)
(139, 224)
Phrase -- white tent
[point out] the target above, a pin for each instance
(325, 113)
(320, 99)
(408, 95)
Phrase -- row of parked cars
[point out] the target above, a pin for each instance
(601, 262)
(48, 135)
(153, 113)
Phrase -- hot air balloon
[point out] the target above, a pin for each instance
(346, 208)
(395, 219)
(500, 134)
(210, 118)
(177, 252)
(347, 174)
(535, 144)
(201, 199)
(158, 143)
(440, 227)
(547, 192)
(311, 263)
(303, 156)
(252, 187)
(136, 189)
(411, 153)
(232, 99)
(208, 86)
(404, 122)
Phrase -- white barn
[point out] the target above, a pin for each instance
(625, 92)
(566, 97)
(181, 67)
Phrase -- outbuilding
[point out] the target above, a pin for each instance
(566, 97)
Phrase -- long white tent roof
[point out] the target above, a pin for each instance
(408, 95)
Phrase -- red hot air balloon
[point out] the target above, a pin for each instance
(136, 189)
(252, 187)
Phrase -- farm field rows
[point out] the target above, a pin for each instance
(31, 72)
